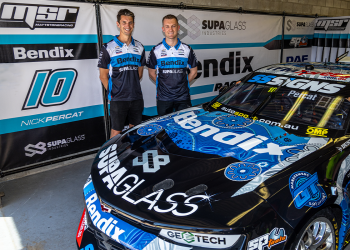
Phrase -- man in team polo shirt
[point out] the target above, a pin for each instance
(171, 58)
(121, 64)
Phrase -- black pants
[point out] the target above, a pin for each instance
(167, 107)
(121, 109)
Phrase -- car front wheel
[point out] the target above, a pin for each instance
(318, 233)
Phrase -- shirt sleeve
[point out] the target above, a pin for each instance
(192, 59)
(104, 58)
(143, 58)
(152, 60)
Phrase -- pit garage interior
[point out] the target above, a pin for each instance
(47, 146)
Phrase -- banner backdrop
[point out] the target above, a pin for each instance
(227, 45)
(50, 95)
(298, 39)
(331, 38)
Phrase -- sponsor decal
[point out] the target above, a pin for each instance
(273, 123)
(304, 84)
(331, 24)
(20, 53)
(81, 228)
(242, 171)
(42, 147)
(172, 63)
(18, 15)
(317, 131)
(127, 59)
(188, 121)
(88, 247)
(31, 150)
(272, 89)
(149, 129)
(122, 185)
(306, 190)
(107, 226)
(151, 161)
(135, 49)
(128, 68)
(189, 27)
(216, 105)
(181, 52)
(269, 240)
(303, 58)
(292, 24)
(231, 111)
(298, 42)
(200, 240)
(50, 88)
(344, 145)
(172, 71)
(333, 76)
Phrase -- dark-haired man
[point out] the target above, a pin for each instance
(121, 64)
(171, 58)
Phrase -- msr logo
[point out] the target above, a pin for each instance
(50, 88)
(331, 24)
(15, 15)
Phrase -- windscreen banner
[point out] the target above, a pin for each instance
(50, 93)
(298, 39)
(331, 38)
(228, 46)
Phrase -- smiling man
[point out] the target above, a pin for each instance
(121, 64)
(171, 58)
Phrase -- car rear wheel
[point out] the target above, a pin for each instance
(318, 233)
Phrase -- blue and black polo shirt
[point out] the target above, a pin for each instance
(171, 64)
(123, 62)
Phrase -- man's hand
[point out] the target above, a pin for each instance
(152, 74)
(104, 76)
(192, 74)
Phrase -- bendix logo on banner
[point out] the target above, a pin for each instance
(50, 88)
(18, 15)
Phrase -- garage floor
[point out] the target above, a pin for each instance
(42, 211)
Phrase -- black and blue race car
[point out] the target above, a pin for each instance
(265, 165)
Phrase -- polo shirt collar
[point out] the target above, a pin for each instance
(120, 44)
(177, 46)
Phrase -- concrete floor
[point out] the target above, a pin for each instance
(43, 211)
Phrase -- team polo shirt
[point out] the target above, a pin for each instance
(171, 64)
(123, 62)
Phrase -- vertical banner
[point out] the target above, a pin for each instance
(50, 92)
(298, 39)
(227, 45)
(332, 38)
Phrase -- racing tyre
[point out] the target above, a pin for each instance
(319, 233)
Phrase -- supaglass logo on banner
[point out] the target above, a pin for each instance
(50, 88)
(18, 15)
(42, 147)
(194, 27)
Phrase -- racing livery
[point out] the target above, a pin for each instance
(265, 165)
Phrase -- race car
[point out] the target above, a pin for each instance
(264, 165)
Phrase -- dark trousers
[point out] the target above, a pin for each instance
(167, 107)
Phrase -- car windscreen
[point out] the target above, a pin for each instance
(287, 105)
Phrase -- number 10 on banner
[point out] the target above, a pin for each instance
(50, 87)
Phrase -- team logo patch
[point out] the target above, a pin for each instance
(181, 52)
(118, 50)
(149, 129)
(275, 237)
(306, 190)
(242, 171)
(136, 50)
(232, 121)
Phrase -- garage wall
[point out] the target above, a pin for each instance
(295, 7)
